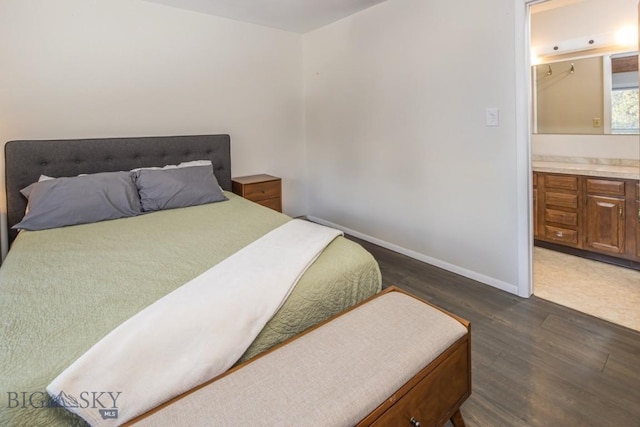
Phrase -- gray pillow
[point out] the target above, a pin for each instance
(177, 188)
(79, 200)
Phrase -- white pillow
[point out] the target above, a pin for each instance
(181, 165)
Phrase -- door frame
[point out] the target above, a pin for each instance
(523, 123)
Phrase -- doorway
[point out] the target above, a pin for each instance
(567, 51)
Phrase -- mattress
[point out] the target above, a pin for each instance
(62, 290)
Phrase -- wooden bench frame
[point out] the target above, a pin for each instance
(435, 394)
(430, 398)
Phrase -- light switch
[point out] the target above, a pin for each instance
(492, 117)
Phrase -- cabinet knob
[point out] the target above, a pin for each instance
(414, 422)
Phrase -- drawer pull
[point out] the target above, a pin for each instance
(414, 422)
(620, 211)
(559, 233)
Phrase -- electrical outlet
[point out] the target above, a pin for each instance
(596, 122)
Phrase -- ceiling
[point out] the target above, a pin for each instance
(553, 4)
(299, 16)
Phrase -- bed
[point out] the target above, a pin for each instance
(63, 289)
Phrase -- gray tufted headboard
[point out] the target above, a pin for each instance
(26, 160)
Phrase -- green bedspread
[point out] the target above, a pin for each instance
(62, 290)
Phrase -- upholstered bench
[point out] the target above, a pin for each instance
(392, 360)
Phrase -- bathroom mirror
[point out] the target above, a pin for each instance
(592, 95)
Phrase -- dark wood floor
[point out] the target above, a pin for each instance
(534, 363)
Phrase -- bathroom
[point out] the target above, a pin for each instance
(585, 152)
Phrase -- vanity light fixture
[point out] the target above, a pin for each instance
(625, 37)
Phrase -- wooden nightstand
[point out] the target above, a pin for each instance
(263, 189)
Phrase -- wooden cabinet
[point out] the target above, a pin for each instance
(536, 207)
(262, 189)
(561, 206)
(598, 215)
(605, 215)
(636, 220)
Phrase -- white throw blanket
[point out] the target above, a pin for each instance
(192, 334)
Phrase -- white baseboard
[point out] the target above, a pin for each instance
(508, 287)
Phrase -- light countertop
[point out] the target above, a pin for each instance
(608, 168)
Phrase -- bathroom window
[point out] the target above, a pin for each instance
(624, 95)
(624, 110)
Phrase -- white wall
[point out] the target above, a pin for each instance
(103, 68)
(594, 146)
(398, 150)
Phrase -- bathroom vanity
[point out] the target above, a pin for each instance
(588, 207)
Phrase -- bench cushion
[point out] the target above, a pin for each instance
(333, 376)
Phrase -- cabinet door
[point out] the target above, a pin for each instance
(605, 224)
(638, 226)
(637, 219)
(536, 228)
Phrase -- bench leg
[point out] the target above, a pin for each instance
(457, 420)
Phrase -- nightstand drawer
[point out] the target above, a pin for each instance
(262, 190)
(275, 204)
